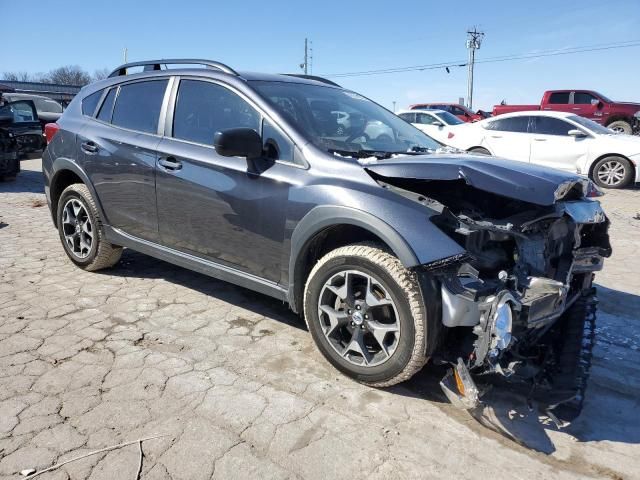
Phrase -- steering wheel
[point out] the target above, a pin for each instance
(359, 133)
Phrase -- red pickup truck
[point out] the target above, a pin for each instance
(621, 117)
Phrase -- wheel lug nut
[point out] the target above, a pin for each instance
(362, 327)
(366, 316)
(352, 324)
(349, 312)
(357, 307)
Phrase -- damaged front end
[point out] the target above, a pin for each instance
(520, 305)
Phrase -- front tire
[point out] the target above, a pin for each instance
(366, 314)
(80, 230)
(621, 126)
(613, 172)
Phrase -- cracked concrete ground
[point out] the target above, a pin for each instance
(89, 360)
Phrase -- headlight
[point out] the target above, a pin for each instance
(503, 323)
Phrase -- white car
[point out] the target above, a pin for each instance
(556, 140)
(438, 124)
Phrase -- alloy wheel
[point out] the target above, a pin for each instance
(359, 318)
(77, 228)
(611, 173)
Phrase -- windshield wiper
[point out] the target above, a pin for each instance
(362, 153)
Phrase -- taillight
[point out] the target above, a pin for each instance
(451, 135)
(50, 130)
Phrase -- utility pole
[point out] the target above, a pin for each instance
(305, 65)
(394, 106)
(474, 39)
(124, 54)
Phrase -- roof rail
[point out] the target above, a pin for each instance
(313, 77)
(150, 65)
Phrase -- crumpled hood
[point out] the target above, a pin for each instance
(518, 180)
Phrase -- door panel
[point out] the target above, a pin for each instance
(222, 208)
(552, 147)
(213, 207)
(508, 137)
(119, 155)
(121, 166)
(510, 145)
(558, 152)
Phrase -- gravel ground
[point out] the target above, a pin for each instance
(232, 380)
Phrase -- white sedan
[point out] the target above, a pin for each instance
(556, 140)
(438, 124)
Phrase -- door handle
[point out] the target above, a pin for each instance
(576, 108)
(170, 163)
(89, 147)
(496, 136)
(540, 139)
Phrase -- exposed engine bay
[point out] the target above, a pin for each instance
(520, 304)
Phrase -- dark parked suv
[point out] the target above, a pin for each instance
(394, 252)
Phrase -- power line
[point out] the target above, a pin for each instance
(504, 58)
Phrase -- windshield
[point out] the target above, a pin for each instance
(449, 118)
(591, 125)
(343, 122)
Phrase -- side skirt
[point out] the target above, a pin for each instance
(192, 262)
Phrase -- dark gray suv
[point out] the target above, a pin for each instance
(394, 251)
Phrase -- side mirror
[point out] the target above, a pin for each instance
(238, 142)
(576, 133)
(437, 124)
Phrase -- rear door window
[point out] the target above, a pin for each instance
(90, 102)
(513, 124)
(204, 108)
(409, 117)
(559, 98)
(138, 106)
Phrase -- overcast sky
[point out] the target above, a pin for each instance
(347, 36)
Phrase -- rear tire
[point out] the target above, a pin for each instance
(621, 126)
(479, 151)
(80, 230)
(396, 305)
(612, 172)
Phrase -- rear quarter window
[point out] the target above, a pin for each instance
(90, 102)
(138, 106)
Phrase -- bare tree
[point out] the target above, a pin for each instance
(69, 75)
(17, 76)
(101, 74)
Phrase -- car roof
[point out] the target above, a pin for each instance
(25, 95)
(534, 113)
(205, 73)
(417, 110)
(440, 103)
